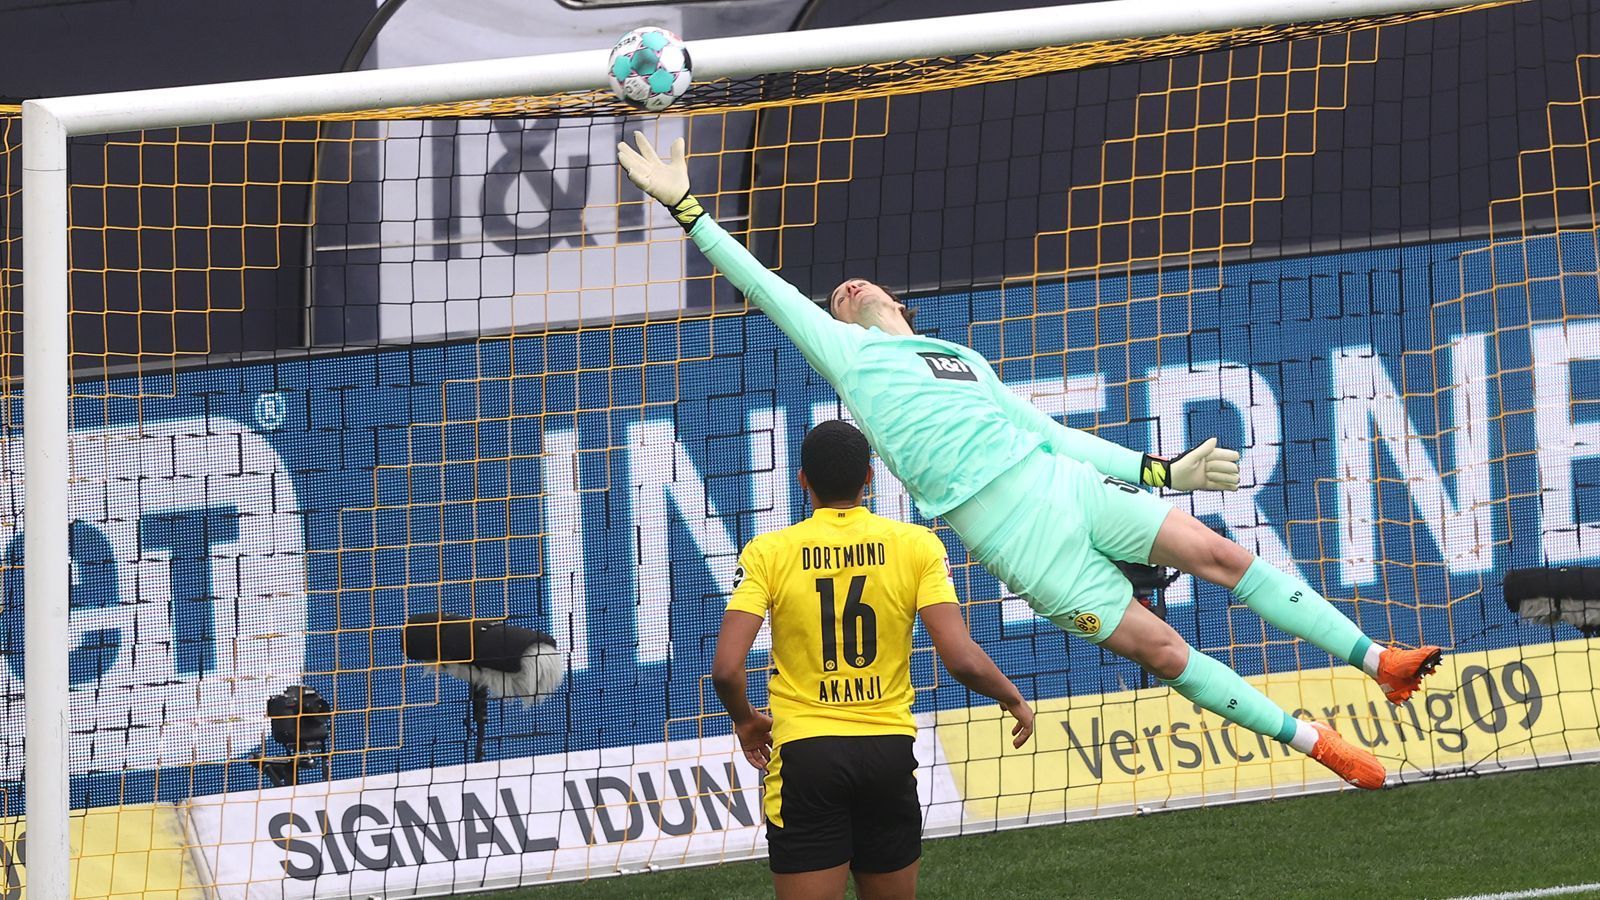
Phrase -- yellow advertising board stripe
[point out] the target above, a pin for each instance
(119, 853)
(1150, 748)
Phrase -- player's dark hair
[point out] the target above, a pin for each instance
(835, 458)
(906, 312)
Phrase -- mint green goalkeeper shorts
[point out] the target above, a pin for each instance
(1049, 528)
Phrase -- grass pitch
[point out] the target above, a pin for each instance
(1454, 838)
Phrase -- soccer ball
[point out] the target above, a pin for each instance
(649, 68)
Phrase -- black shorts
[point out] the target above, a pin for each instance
(843, 799)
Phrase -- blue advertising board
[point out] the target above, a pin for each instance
(1414, 422)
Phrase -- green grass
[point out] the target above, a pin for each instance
(1498, 833)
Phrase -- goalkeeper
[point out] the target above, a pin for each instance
(1044, 507)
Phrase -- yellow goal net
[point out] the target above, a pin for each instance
(343, 383)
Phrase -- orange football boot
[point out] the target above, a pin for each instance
(1400, 672)
(1354, 764)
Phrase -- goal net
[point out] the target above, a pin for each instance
(339, 380)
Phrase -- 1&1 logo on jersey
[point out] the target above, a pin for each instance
(949, 366)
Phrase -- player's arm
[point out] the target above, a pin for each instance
(734, 640)
(747, 609)
(968, 664)
(825, 342)
(961, 655)
(1205, 467)
(1108, 457)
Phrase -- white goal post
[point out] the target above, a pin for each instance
(49, 123)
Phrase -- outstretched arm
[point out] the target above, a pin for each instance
(1109, 458)
(827, 344)
(1205, 467)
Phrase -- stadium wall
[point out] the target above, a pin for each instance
(1412, 427)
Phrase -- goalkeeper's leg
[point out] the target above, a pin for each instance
(1185, 543)
(1149, 641)
(1034, 530)
(1129, 524)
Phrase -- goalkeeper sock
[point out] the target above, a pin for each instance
(1291, 604)
(1305, 737)
(1215, 687)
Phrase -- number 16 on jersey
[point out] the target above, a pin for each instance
(859, 621)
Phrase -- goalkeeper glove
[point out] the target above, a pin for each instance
(666, 180)
(1206, 467)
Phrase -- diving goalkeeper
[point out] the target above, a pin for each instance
(1044, 507)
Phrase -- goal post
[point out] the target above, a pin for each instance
(49, 124)
(45, 461)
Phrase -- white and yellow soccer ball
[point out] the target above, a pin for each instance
(649, 68)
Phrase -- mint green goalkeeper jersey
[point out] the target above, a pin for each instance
(935, 411)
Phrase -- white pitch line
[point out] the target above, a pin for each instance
(1537, 892)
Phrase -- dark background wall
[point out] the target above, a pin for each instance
(57, 47)
(957, 189)
(87, 46)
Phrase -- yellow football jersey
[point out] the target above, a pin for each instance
(843, 589)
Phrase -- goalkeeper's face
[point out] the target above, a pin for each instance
(860, 302)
